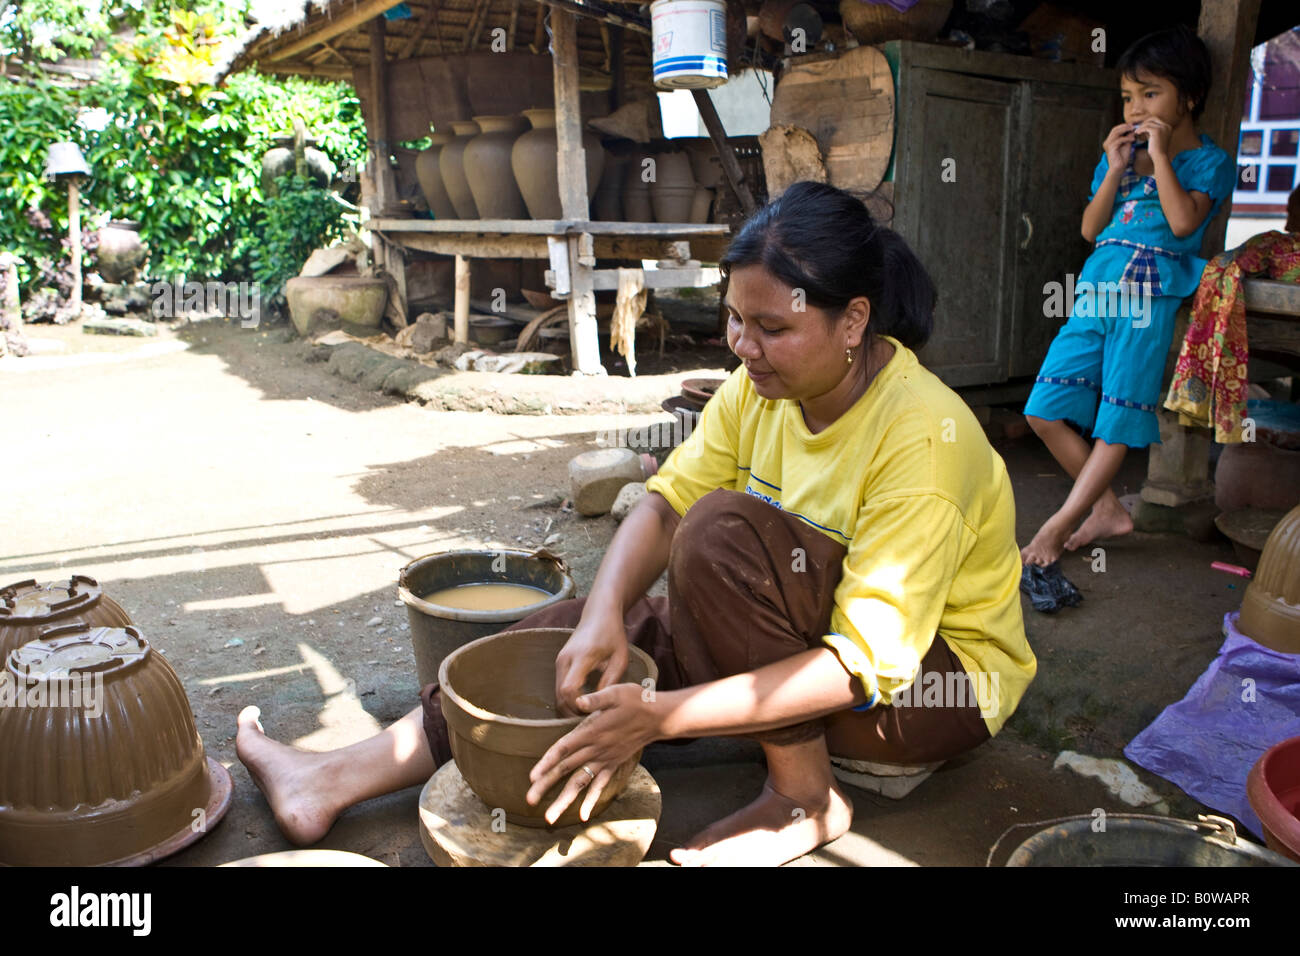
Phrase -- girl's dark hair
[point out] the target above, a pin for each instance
(1176, 54)
(823, 240)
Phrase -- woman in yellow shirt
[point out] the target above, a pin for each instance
(842, 566)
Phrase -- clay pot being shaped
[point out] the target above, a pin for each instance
(673, 190)
(429, 174)
(100, 761)
(487, 167)
(1270, 611)
(451, 164)
(121, 251)
(28, 608)
(636, 188)
(498, 696)
(534, 161)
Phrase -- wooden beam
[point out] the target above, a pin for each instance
(359, 14)
(1228, 29)
(730, 165)
(475, 24)
(421, 25)
(297, 69)
(385, 187)
(571, 157)
(514, 22)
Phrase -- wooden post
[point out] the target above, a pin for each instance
(730, 165)
(385, 187)
(74, 238)
(462, 299)
(572, 174)
(1228, 29)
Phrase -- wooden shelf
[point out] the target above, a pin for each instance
(550, 227)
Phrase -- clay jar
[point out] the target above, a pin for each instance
(429, 174)
(607, 206)
(534, 161)
(121, 251)
(673, 190)
(498, 696)
(451, 164)
(487, 167)
(27, 608)
(1270, 611)
(108, 767)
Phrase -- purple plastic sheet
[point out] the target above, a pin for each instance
(1208, 741)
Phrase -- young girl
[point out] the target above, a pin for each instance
(1154, 191)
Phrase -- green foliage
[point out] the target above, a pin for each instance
(180, 157)
(300, 219)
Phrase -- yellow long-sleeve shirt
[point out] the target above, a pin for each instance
(907, 481)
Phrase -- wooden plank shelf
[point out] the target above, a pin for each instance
(550, 227)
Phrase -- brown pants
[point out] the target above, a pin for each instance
(749, 585)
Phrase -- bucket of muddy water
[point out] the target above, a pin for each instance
(455, 597)
(1134, 839)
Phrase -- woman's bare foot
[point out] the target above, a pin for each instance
(772, 830)
(294, 781)
(1108, 519)
(1048, 543)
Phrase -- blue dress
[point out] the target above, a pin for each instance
(1105, 368)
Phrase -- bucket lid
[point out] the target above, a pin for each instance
(28, 602)
(78, 648)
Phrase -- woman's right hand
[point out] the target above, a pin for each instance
(1119, 146)
(597, 644)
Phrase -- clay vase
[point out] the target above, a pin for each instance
(451, 164)
(121, 251)
(488, 169)
(1270, 611)
(1257, 474)
(27, 608)
(701, 203)
(534, 162)
(498, 697)
(673, 191)
(636, 190)
(430, 177)
(114, 773)
(607, 206)
(319, 300)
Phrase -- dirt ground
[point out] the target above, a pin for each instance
(251, 511)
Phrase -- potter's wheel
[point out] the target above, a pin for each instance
(458, 829)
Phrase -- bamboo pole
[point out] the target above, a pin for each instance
(461, 313)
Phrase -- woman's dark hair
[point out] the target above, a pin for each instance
(823, 240)
(1176, 54)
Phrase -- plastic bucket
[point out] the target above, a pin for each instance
(436, 630)
(690, 43)
(1273, 787)
(1142, 840)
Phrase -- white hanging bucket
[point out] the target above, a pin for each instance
(690, 43)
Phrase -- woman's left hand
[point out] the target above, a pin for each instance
(620, 721)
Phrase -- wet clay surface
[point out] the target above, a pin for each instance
(487, 596)
(245, 494)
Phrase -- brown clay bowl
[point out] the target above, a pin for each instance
(685, 412)
(1273, 787)
(498, 696)
(698, 391)
(540, 300)
(27, 608)
(490, 330)
(100, 762)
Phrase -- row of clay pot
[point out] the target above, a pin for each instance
(495, 167)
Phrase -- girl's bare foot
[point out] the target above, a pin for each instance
(1047, 544)
(1108, 519)
(772, 830)
(294, 781)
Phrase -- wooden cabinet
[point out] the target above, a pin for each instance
(993, 157)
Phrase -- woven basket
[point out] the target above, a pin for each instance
(879, 22)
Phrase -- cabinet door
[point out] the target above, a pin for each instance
(958, 139)
(1064, 129)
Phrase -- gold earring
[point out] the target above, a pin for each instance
(848, 354)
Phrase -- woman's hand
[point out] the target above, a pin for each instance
(620, 722)
(1119, 146)
(596, 645)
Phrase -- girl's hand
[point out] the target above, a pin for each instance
(597, 645)
(1119, 147)
(1157, 133)
(620, 723)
